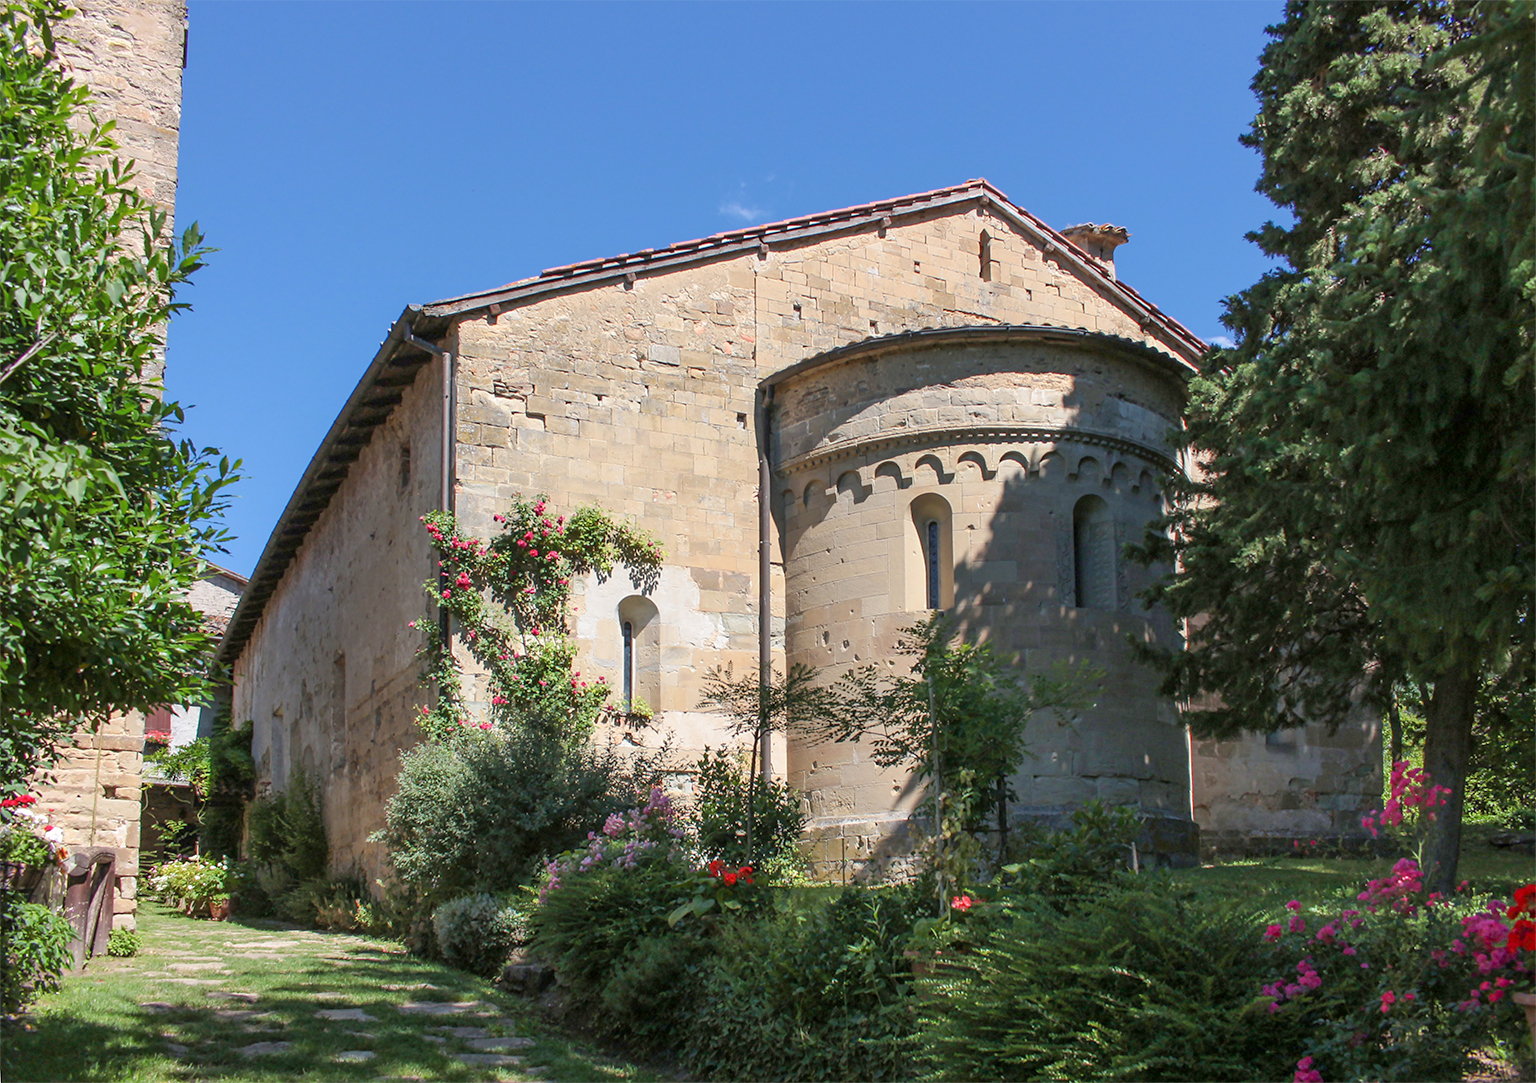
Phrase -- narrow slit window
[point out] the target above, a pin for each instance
(931, 543)
(986, 256)
(629, 666)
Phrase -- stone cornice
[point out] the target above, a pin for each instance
(949, 435)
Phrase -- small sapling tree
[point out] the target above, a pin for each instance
(959, 720)
(755, 709)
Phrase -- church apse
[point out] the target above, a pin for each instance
(996, 474)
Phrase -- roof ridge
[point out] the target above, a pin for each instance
(629, 264)
(763, 231)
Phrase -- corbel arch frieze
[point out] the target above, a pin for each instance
(937, 440)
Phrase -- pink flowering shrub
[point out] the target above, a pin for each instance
(1411, 803)
(1403, 985)
(510, 596)
(651, 833)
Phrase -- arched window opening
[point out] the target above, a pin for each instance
(1093, 551)
(640, 655)
(933, 555)
(930, 555)
(629, 666)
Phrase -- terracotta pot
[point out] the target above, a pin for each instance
(1528, 1002)
(218, 911)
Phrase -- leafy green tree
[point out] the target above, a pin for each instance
(104, 518)
(1363, 506)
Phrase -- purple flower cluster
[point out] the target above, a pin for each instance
(625, 841)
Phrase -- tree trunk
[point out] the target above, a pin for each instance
(1394, 729)
(1447, 751)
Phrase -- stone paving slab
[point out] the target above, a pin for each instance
(498, 1045)
(356, 1056)
(439, 1007)
(488, 1060)
(261, 1049)
(352, 1015)
(158, 1006)
(224, 994)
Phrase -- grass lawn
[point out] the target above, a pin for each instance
(1319, 880)
(243, 1000)
(200, 994)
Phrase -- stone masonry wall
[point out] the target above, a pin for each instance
(640, 397)
(330, 676)
(1258, 793)
(129, 52)
(997, 443)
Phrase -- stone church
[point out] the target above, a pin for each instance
(835, 424)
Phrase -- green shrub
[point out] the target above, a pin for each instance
(603, 924)
(1138, 983)
(1394, 985)
(232, 774)
(36, 951)
(124, 943)
(720, 812)
(482, 810)
(478, 932)
(1085, 859)
(21, 846)
(287, 830)
(817, 990)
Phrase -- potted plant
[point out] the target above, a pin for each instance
(218, 907)
(26, 854)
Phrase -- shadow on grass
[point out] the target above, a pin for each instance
(98, 1028)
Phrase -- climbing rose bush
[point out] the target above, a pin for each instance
(1410, 806)
(1403, 985)
(510, 595)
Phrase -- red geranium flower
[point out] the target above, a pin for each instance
(1523, 936)
(715, 867)
(729, 878)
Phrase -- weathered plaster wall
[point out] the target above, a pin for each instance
(330, 675)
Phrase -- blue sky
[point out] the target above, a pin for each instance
(348, 159)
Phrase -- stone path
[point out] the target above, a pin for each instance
(469, 1033)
